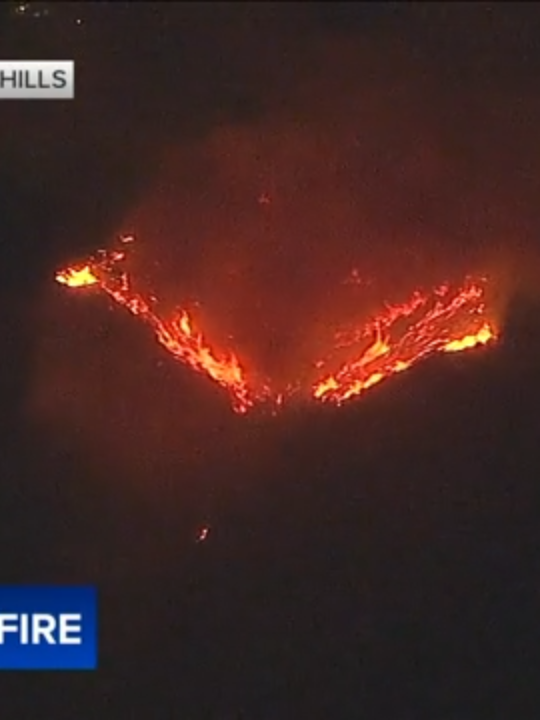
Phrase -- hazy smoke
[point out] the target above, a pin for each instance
(291, 155)
(380, 154)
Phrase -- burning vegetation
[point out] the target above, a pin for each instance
(446, 319)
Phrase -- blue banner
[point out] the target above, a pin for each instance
(48, 628)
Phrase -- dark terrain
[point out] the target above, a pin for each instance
(376, 561)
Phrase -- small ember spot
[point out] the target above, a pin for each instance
(264, 199)
(203, 533)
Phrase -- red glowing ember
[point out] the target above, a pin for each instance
(443, 320)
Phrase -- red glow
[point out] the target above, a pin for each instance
(443, 320)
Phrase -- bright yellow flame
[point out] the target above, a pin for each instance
(77, 277)
(482, 337)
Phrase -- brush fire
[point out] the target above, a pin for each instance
(446, 319)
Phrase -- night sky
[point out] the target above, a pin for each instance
(374, 561)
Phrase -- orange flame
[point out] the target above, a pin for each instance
(436, 323)
(177, 333)
(400, 336)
